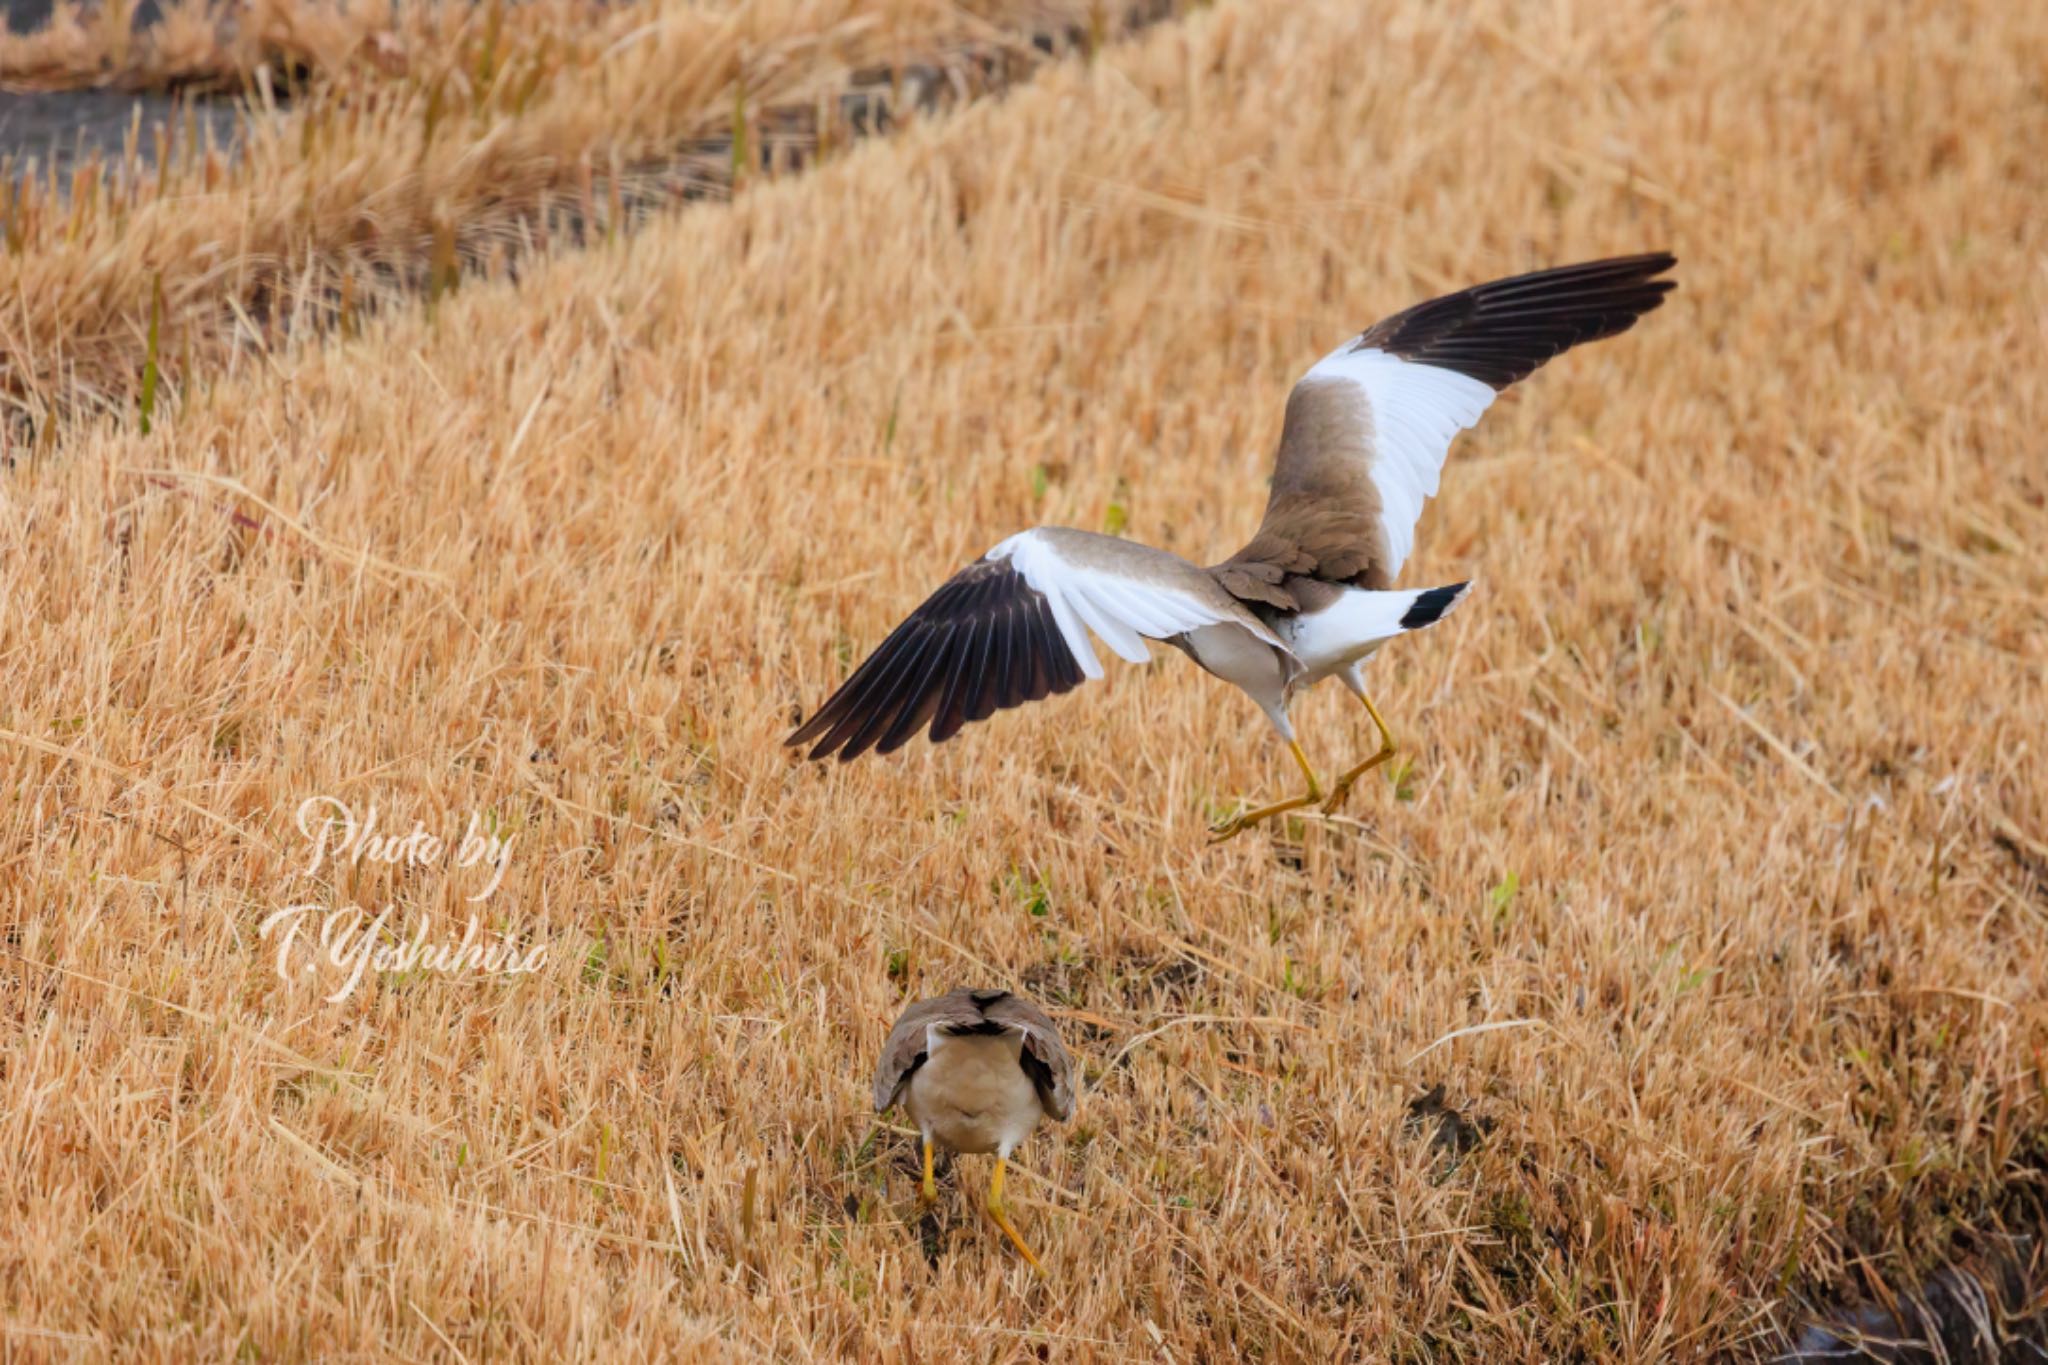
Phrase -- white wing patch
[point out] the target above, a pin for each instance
(1124, 611)
(1417, 411)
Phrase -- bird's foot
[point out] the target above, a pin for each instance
(1000, 1213)
(1244, 820)
(1235, 825)
(998, 1209)
(1341, 788)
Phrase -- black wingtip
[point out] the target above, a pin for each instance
(1501, 331)
(1432, 605)
(984, 642)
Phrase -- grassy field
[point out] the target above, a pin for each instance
(384, 153)
(1710, 887)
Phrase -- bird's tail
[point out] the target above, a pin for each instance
(1423, 606)
(1363, 619)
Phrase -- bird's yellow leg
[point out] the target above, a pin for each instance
(1001, 1214)
(928, 1192)
(1237, 824)
(1342, 787)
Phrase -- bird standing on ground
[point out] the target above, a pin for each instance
(976, 1070)
(1311, 597)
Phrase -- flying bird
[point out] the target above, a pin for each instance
(1311, 596)
(976, 1070)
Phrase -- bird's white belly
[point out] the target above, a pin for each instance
(1329, 662)
(972, 1095)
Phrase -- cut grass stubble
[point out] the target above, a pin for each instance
(1708, 908)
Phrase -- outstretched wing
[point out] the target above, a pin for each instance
(1013, 627)
(1367, 428)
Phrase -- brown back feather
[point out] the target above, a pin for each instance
(1044, 1058)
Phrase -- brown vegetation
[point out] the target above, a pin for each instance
(1708, 891)
(441, 146)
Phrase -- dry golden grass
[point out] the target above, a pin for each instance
(209, 43)
(440, 142)
(227, 43)
(1716, 886)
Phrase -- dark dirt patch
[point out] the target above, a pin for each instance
(2029, 864)
(1984, 1312)
(1132, 981)
(1451, 1133)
